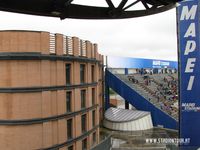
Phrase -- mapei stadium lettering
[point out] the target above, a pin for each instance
(190, 107)
(189, 15)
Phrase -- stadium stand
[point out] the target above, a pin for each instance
(160, 89)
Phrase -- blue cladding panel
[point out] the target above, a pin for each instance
(107, 94)
(126, 71)
(126, 62)
(158, 116)
(188, 25)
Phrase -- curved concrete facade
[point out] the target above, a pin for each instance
(33, 91)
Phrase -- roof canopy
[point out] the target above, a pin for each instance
(127, 120)
(123, 115)
(70, 9)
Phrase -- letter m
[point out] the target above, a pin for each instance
(188, 14)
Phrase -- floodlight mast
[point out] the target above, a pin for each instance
(67, 9)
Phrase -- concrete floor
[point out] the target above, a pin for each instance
(142, 140)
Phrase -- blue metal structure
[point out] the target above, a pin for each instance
(128, 62)
(188, 17)
(130, 95)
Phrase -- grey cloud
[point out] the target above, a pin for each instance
(152, 36)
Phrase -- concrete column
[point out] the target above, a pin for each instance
(75, 46)
(89, 49)
(126, 105)
(107, 95)
(59, 44)
(126, 71)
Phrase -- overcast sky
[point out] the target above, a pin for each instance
(146, 37)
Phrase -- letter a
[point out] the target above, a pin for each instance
(190, 31)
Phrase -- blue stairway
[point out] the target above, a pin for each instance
(131, 95)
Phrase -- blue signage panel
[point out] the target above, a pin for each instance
(127, 62)
(188, 15)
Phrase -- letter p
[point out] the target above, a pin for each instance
(190, 47)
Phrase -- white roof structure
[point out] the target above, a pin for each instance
(127, 120)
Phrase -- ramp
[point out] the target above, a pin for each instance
(129, 93)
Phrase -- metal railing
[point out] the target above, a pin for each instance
(64, 45)
(79, 48)
(93, 54)
(83, 48)
(52, 44)
(104, 144)
(69, 45)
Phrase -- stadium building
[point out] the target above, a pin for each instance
(51, 91)
(148, 85)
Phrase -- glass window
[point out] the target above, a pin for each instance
(93, 118)
(93, 96)
(68, 73)
(68, 101)
(100, 73)
(70, 147)
(94, 138)
(83, 98)
(69, 129)
(84, 144)
(82, 73)
(83, 123)
(92, 73)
